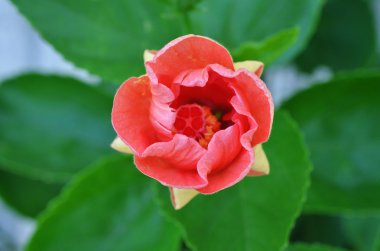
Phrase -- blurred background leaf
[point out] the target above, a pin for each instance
(340, 121)
(105, 37)
(235, 22)
(361, 232)
(109, 37)
(268, 50)
(52, 127)
(312, 247)
(345, 38)
(364, 232)
(326, 229)
(27, 196)
(109, 207)
(257, 213)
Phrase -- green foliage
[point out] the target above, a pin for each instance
(345, 38)
(257, 213)
(108, 37)
(235, 22)
(52, 127)
(326, 229)
(360, 233)
(340, 121)
(28, 196)
(109, 207)
(312, 247)
(364, 232)
(268, 50)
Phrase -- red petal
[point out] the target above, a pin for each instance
(226, 161)
(201, 85)
(162, 116)
(132, 112)
(186, 53)
(254, 100)
(247, 125)
(173, 163)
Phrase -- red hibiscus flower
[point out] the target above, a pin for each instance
(195, 122)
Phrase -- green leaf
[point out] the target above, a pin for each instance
(268, 50)
(325, 229)
(257, 213)
(340, 120)
(109, 207)
(361, 233)
(108, 37)
(27, 196)
(185, 5)
(235, 22)
(342, 42)
(364, 232)
(312, 247)
(52, 127)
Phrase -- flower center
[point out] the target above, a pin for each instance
(197, 122)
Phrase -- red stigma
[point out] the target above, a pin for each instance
(197, 122)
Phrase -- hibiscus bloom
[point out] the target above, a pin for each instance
(196, 121)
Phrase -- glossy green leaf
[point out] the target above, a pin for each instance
(340, 120)
(257, 213)
(268, 50)
(109, 207)
(51, 127)
(234, 22)
(106, 37)
(312, 247)
(345, 41)
(27, 196)
(109, 37)
(363, 231)
(326, 229)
